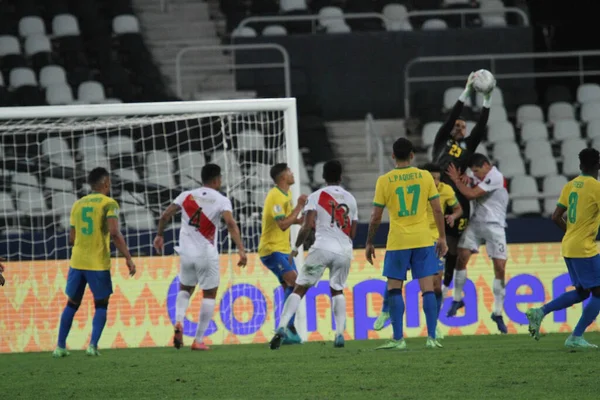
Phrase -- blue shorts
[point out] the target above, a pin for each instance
(584, 272)
(99, 281)
(278, 264)
(422, 262)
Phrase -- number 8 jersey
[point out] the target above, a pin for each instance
(201, 215)
(406, 193)
(336, 210)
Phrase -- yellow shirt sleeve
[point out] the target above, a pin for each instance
(432, 192)
(379, 200)
(275, 205)
(452, 200)
(112, 209)
(72, 217)
(563, 200)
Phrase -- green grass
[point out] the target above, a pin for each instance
(475, 367)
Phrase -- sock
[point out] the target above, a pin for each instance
(431, 312)
(386, 302)
(589, 314)
(339, 313)
(449, 268)
(499, 293)
(563, 301)
(289, 309)
(396, 312)
(181, 305)
(444, 291)
(98, 325)
(207, 311)
(439, 298)
(287, 293)
(459, 283)
(66, 320)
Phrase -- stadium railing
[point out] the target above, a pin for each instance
(411, 14)
(492, 59)
(375, 144)
(284, 64)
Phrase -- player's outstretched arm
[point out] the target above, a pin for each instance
(479, 129)
(470, 193)
(374, 223)
(234, 232)
(120, 244)
(293, 218)
(457, 212)
(438, 216)
(307, 226)
(558, 217)
(163, 222)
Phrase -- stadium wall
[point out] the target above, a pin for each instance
(142, 308)
(372, 67)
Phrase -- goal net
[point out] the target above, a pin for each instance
(153, 152)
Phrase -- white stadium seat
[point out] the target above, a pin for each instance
(303, 171)
(450, 97)
(590, 111)
(506, 150)
(119, 145)
(498, 113)
(259, 175)
(22, 76)
(91, 92)
(91, 144)
(318, 173)
(63, 202)
(552, 187)
(430, 130)
(141, 220)
(593, 129)
(22, 181)
(159, 168)
(470, 126)
(9, 45)
(500, 131)
(65, 25)
(588, 93)
(481, 149)
(228, 159)
(493, 21)
(31, 25)
(132, 202)
(542, 166)
(57, 184)
(59, 94)
(245, 31)
(434, 24)
(249, 140)
(497, 98)
(565, 129)
(538, 148)
(330, 16)
(534, 130)
(524, 186)
(396, 16)
(274, 30)
(37, 44)
(127, 174)
(52, 74)
(31, 202)
(572, 147)
(338, 27)
(57, 151)
(6, 204)
(292, 5)
(94, 160)
(123, 24)
(190, 168)
(559, 111)
(570, 166)
(529, 113)
(511, 167)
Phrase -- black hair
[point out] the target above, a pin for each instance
(332, 171)
(589, 159)
(277, 169)
(461, 118)
(478, 159)
(210, 172)
(97, 175)
(431, 167)
(402, 149)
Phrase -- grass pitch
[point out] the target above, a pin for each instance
(476, 367)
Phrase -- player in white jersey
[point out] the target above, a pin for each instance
(487, 226)
(198, 253)
(333, 213)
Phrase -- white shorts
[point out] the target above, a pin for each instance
(492, 235)
(315, 264)
(201, 270)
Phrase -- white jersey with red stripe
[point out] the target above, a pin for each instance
(336, 210)
(492, 206)
(201, 215)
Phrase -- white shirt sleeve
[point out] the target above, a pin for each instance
(179, 199)
(311, 203)
(354, 210)
(226, 205)
(493, 181)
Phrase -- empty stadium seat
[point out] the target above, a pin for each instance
(6, 204)
(132, 202)
(524, 186)
(434, 24)
(91, 144)
(227, 161)
(396, 16)
(552, 186)
(59, 94)
(91, 92)
(304, 178)
(62, 203)
(123, 24)
(292, 5)
(318, 174)
(570, 166)
(481, 149)
(94, 160)
(31, 203)
(500, 131)
(22, 77)
(498, 113)
(35, 44)
(590, 111)
(190, 168)
(22, 181)
(274, 30)
(159, 168)
(542, 166)
(450, 97)
(31, 25)
(506, 150)
(538, 148)
(259, 175)
(57, 184)
(330, 16)
(141, 220)
(559, 111)
(338, 27)
(51, 74)
(120, 145)
(430, 130)
(566, 129)
(65, 25)
(493, 21)
(588, 93)
(497, 98)
(10, 53)
(511, 167)
(245, 31)
(529, 113)
(534, 130)
(126, 174)
(572, 147)
(249, 140)
(593, 129)
(470, 126)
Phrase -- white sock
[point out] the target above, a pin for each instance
(339, 313)
(207, 311)
(444, 291)
(181, 305)
(289, 309)
(460, 277)
(499, 293)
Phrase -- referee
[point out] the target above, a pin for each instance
(452, 147)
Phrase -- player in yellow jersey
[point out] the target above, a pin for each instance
(94, 221)
(448, 201)
(274, 247)
(580, 200)
(407, 192)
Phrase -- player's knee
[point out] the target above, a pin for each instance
(583, 293)
(102, 303)
(210, 293)
(596, 291)
(289, 278)
(335, 292)
(73, 304)
(184, 288)
(300, 290)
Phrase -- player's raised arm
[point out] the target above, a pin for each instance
(376, 214)
(470, 193)
(234, 232)
(284, 222)
(163, 222)
(476, 136)
(117, 237)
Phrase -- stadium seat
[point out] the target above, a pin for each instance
(190, 168)
(93, 160)
(10, 53)
(450, 97)
(529, 113)
(274, 30)
(58, 185)
(565, 129)
(434, 24)
(559, 111)
(126, 174)
(470, 126)
(305, 189)
(497, 98)
(57, 152)
(249, 140)
(123, 24)
(493, 21)
(542, 166)
(572, 147)
(304, 178)
(590, 111)
(141, 220)
(481, 149)
(396, 16)
(500, 131)
(330, 16)
(538, 148)
(245, 31)
(22, 181)
(511, 167)
(39, 49)
(22, 77)
(292, 5)
(52, 74)
(593, 129)
(6, 204)
(258, 195)
(91, 144)
(65, 25)
(524, 186)
(132, 202)
(31, 25)
(259, 175)
(31, 203)
(227, 159)
(91, 92)
(498, 113)
(570, 166)
(534, 130)
(120, 145)
(338, 27)
(588, 93)
(552, 186)
(318, 174)
(62, 203)
(506, 150)
(159, 169)
(59, 94)
(430, 130)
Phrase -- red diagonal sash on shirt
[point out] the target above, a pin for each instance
(206, 228)
(333, 208)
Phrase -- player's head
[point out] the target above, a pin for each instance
(403, 150)
(480, 165)
(459, 131)
(211, 176)
(332, 172)
(282, 174)
(435, 171)
(99, 180)
(589, 161)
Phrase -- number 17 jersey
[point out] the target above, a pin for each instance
(406, 193)
(201, 216)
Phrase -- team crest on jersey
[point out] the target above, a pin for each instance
(277, 209)
(116, 212)
(463, 145)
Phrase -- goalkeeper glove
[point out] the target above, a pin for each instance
(468, 88)
(487, 98)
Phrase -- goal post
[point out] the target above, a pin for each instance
(153, 152)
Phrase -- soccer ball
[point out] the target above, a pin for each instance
(484, 81)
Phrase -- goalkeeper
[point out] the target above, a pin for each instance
(451, 146)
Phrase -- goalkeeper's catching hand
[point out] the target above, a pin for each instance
(469, 85)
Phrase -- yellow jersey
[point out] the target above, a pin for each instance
(278, 205)
(406, 193)
(92, 239)
(447, 199)
(581, 198)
